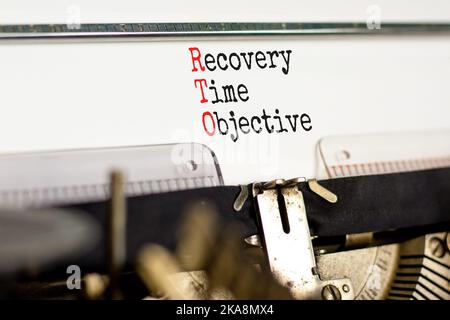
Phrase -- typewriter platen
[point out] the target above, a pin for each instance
(164, 221)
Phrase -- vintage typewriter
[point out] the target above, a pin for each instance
(230, 160)
(159, 224)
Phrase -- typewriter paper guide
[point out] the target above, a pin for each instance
(84, 95)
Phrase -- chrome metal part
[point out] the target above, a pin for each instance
(297, 271)
(116, 233)
(421, 274)
(206, 30)
(322, 191)
(241, 198)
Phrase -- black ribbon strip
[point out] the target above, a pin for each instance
(365, 203)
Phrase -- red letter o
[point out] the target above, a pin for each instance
(209, 133)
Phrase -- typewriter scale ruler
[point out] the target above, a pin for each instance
(75, 176)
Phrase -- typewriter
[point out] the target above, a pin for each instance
(188, 159)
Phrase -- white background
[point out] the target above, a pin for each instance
(66, 95)
(55, 11)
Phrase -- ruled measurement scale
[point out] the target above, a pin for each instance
(345, 156)
(337, 171)
(55, 178)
